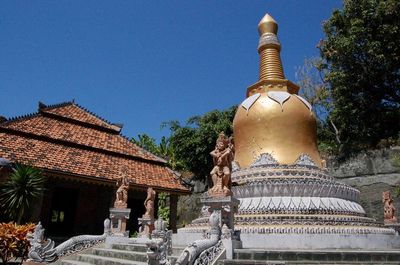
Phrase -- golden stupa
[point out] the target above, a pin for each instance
(288, 200)
(273, 119)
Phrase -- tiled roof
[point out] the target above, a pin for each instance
(66, 141)
(73, 111)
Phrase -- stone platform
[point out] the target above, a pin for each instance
(306, 256)
(296, 206)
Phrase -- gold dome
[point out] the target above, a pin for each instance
(285, 132)
(273, 119)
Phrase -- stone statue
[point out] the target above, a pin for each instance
(388, 208)
(146, 223)
(149, 203)
(223, 155)
(121, 200)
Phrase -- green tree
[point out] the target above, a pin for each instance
(193, 142)
(164, 150)
(20, 191)
(361, 51)
(163, 208)
(311, 79)
(148, 143)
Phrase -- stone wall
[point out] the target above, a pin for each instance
(371, 172)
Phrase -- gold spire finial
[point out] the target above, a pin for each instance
(267, 25)
(269, 48)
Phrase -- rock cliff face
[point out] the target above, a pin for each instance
(371, 172)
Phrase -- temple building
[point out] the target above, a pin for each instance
(82, 157)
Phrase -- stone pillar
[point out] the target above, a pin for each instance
(173, 211)
(146, 224)
(225, 207)
(118, 221)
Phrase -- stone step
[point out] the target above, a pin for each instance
(120, 254)
(259, 262)
(130, 247)
(99, 260)
(176, 251)
(73, 262)
(246, 262)
(318, 256)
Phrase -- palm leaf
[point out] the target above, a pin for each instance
(24, 185)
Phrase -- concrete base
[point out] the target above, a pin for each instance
(303, 241)
(308, 256)
(320, 241)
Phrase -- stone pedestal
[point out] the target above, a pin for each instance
(119, 217)
(146, 224)
(225, 207)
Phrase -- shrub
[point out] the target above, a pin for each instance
(14, 243)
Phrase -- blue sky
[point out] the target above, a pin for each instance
(144, 62)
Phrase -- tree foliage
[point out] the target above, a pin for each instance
(311, 79)
(193, 142)
(164, 149)
(19, 192)
(361, 51)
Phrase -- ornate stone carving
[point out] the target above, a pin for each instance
(388, 208)
(263, 160)
(295, 187)
(305, 160)
(43, 250)
(121, 196)
(221, 174)
(149, 203)
(204, 251)
(147, 221)
(235, 166)
(160, 245)
(119, 218)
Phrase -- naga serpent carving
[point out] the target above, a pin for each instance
(43, 250)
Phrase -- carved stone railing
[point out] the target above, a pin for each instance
(43, 251)
(209, 255)
(204, 251)
(160, 244)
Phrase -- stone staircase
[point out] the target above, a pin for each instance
(134, 253)
(118, 254)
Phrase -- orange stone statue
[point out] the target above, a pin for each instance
(121, 200)
(149, 203)
(388, 208)
(221, 173)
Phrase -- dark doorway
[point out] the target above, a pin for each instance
(62, 211)
(137, 211)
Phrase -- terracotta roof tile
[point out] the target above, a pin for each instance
(75, 112)
(52, 156)
(66, 131)
(77, 148)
